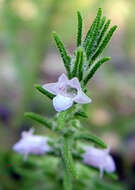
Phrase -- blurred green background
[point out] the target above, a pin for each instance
(28, 56)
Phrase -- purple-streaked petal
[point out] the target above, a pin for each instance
(62, 103)
(75, 83)
(51, 87)
(63, 78)
(81, 98)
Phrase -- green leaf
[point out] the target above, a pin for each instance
(94, 33)
(76, 63)
(80, 65)
(92, 138)
(40, 119)
(77, 69)
(94, 69)
(65, 57)
(104, 43)
(79, 32)
(105, 28)
(89, 33)
(43, 91)
(67, 156)
(102, 22)
(98, 36)
(81, 113)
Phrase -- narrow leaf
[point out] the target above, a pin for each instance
(94, 69)
(82, 114)
(63, 52)
(43, 91)
(104, 43)
(90, 32)
(79, 32)
(81, 65)
(39, 119)
(67, 156)
(102, 22)
(92, 138)
(98, 36)
(94, 33)
(106, 26)
(77, 69)
(76, 63)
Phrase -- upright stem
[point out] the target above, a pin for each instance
(67, 181)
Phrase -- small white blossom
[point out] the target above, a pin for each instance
(31, 144)
(67, 92)
(99, 158)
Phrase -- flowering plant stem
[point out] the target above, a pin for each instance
(67, 181)
(66, 152)
(69, 94)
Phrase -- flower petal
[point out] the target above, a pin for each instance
(63, 78)
(109, 164)
(75, 83)
(51, 87)
(81, 98)
(62, 103)
(27, 133)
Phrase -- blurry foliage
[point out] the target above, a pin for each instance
(25, 39)
(44, 173)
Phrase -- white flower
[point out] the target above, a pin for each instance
(67, 92)
(31, 144)
(99, 158)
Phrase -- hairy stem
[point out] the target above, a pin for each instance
(67, 181)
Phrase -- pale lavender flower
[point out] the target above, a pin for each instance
(99, 158)
(67, 92)
(31, 144)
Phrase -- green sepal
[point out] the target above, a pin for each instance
(104, 43)
(40, 119)
(64, 55)
(79, 31)
(43, 91)
(92, 138)
(94, 69)
(67, 156)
